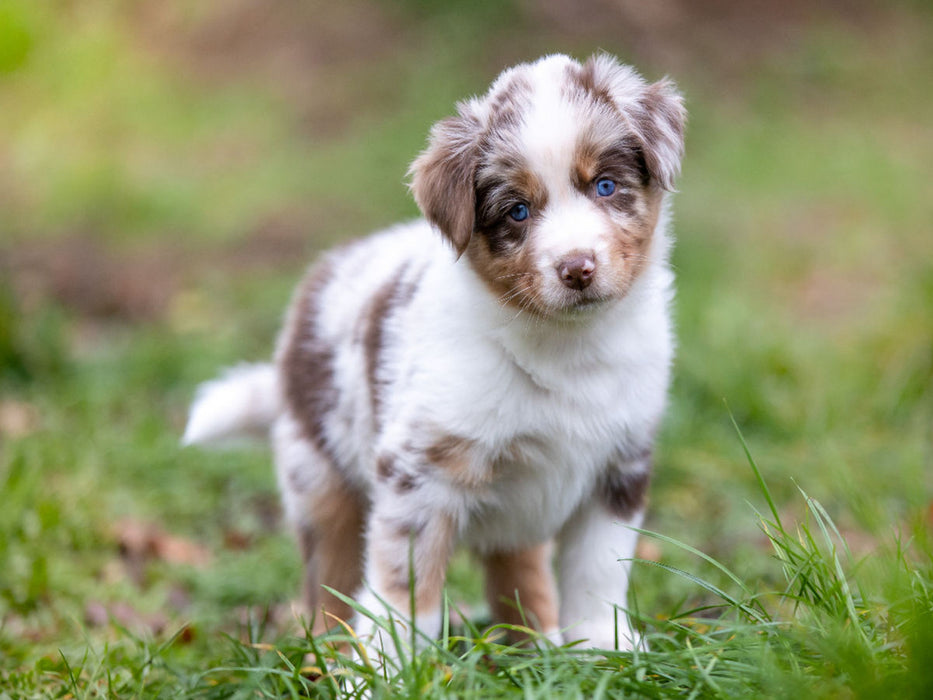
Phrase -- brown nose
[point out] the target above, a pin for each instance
(576, 271)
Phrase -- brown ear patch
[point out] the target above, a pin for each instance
(442, 178)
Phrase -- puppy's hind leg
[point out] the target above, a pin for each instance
(328, 516)
(521, 590)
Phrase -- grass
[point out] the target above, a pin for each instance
(132, 568)
(824, 632)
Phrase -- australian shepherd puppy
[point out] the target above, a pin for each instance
(491, 376)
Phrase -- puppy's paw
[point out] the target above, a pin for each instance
(375, 643)
(604, 637)
(386, 634)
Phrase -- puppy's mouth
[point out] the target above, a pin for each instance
(578, 303)
(584, 299)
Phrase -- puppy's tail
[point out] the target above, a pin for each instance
(242, 403)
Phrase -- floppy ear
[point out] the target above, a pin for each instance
(659, 118)
(655, 112)
(442, 178)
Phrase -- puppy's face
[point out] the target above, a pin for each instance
(551, 184)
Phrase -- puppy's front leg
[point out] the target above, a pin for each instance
(593, 581)
(407, 536)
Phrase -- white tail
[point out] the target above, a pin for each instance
(242, 403)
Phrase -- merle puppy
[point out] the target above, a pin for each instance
(492, 375)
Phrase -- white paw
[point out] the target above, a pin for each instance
(376, 643)
(604, 637)
(389, 636)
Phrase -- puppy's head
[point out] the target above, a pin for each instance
(552, 183)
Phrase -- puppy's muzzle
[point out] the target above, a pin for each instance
(577, 270)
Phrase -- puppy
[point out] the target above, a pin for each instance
(493, 375)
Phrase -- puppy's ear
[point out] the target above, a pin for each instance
(659, 118)
(442, 178)
(655, 112)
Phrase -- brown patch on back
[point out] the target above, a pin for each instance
(520, 587)
(306, 363)
(392, 295)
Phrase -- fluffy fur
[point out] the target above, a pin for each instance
(492, 375)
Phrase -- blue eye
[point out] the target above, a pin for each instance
(605, 187)
(519, 212)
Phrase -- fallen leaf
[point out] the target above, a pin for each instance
(178, 550)
(648, 550)
(185, 635)
(123, 614)
(18, 418)
(237, 540)
(141, 541)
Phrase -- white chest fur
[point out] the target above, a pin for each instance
(548, 403)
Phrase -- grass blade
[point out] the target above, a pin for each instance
(761, 481)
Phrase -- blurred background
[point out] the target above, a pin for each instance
(169, 167)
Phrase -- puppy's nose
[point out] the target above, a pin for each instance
(576, 271)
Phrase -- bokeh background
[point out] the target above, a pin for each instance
(168, 168)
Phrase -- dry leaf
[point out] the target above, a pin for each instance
(648, 550)
(18, 418)
(141, 540)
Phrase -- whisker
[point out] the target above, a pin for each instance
(509, 276)
(525, 303)
(508, 296)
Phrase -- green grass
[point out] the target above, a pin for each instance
(804, 294)
(825, 631)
